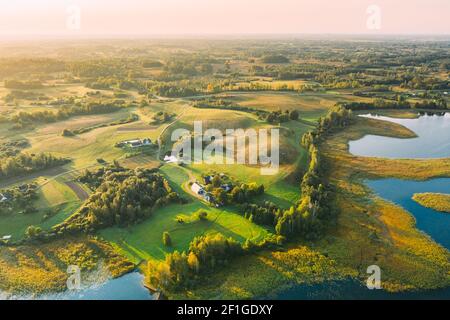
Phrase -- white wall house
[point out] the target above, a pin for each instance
(3, 198)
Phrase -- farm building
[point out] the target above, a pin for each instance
(197, 189)
(208, 179)
(170, 159)
(227, 187)
(3, 198)
(136, 143)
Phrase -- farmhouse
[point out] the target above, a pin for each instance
(227, 187)
(136, 143)
(197, 189)
(3, 198)
(170, 159)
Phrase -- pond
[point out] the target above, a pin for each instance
(433, 139)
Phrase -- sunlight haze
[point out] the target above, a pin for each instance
(178, 17)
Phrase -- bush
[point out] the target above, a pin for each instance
(67, 133)
(203, 215)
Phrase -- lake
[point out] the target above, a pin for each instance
(433, 139)
(127, 287)
(434, 223)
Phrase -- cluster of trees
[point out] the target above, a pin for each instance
(19, 200)
(245, 192)
(12, 148)
(188, 67)
(214, 103)
(226, 191)
(23, 163)
(314, 210)
(275, 58)
(266, 214)
(280, 116)
(124, 197)
(182, 270)
(162, 117)
(152, 64)
(173, 91)
(401, 103)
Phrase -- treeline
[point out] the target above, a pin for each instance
(131, 118)
(435, 104)
(173, 91)
(66, 112)
(124, 197)
(314, 209)
(26, 95)
(27, 163)
(23, 85)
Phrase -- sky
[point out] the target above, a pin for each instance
(223, 17)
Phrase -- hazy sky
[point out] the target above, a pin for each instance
(146, 17)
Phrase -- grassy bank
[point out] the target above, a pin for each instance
(436, 201)
(42, 268)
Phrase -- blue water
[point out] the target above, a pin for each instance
(433, 140)
(433, 223)
(353, 290)
(127, 287)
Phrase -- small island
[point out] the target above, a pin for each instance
(435, 201)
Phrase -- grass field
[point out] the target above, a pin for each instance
(310, 105)
(55, 199)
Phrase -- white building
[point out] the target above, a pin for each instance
(3, 198)
(197, 189)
